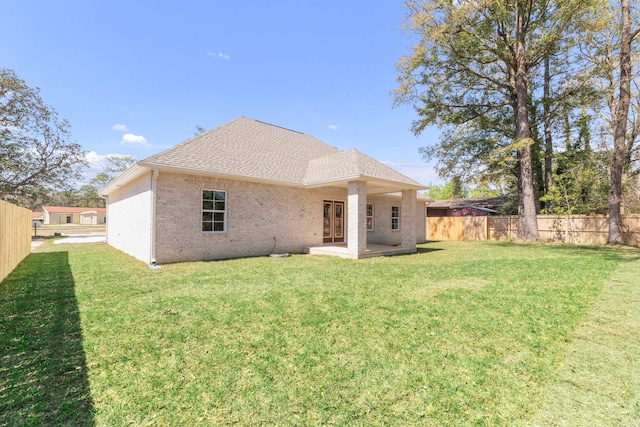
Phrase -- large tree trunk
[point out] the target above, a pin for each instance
(548, 140)
(527, 220)
(620, 129)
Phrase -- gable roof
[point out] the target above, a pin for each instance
(248, 149)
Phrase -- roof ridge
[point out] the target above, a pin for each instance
(276, 126)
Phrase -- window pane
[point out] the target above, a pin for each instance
(214, 208)
(369, 223)
(369, 209)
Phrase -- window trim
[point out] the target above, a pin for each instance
(372, 216)
(396, 217)
(214, 211)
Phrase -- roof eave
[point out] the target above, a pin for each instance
(360, 177)
(142, 167)
(135, 171)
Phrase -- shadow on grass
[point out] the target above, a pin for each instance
(423, 250)
(43, 372)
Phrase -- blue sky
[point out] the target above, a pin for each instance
(137, 77)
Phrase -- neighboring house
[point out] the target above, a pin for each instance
(473, 211)
(37, 218)
(470, 206)
(58, 215)
(249, 188)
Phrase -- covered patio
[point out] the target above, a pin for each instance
(341, 250)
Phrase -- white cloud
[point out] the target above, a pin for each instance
(218, 55)
(119, 127)
(96, 164)
(94, 159)
(333, 127)
(129, 138)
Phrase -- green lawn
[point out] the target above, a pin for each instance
(459, 334)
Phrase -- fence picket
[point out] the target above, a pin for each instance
(15, 236)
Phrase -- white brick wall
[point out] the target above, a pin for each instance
(408, 217)
(357, 218)
(129, 219)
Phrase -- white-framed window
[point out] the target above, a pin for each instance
(214, 211)
(395, 217)
(369, 216)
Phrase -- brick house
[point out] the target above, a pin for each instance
(248, 188)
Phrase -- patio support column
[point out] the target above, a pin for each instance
(357, 219)
(408, 220)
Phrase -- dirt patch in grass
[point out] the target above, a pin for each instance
(599, 383)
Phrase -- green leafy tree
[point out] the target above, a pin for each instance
(456, 189)
(620, 121)
(471, 71)
(88, 196)
(116, 164)
(611, 54)
(580, 182)
(452, 189)
(36, 154)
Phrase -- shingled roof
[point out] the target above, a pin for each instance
(479, 202)
(352, 164)
(252, 150)
(247, 148)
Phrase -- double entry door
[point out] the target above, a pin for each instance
(333, 230)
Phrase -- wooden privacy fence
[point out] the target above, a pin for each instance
(15, 236)
(571, 229)
(458, 228)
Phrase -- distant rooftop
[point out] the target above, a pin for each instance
(477, 202)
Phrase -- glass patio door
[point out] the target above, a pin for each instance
(333, 228)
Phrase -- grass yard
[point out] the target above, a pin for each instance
(460, 334)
